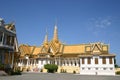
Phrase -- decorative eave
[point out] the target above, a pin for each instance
(107, 55)
(82, 56)
(101, 55)
(71, 53)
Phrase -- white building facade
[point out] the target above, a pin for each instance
(97, 63)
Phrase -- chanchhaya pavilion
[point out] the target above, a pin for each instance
(86, 59)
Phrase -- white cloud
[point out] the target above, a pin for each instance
(98, 25)
(102, 23)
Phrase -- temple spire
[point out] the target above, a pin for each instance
(46, 38)
(55, 37)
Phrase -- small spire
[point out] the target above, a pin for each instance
(46, 37)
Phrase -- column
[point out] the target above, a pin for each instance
(19, 63)
(59, 61)
(73, 63)
(3, 38)
(12, 60)
(34, 62)
(69, 62)
(10, 40)
(8, 57)
(27, 64)
(65, 62)
(77, 62)
(48, 60)
(2, 56)
(55, 61)
(62, 62)
(22, 62)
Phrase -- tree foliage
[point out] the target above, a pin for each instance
(51, 68)
(116, 65)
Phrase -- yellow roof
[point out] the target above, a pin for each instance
(24, 49)
(37, 50)
(64, 49)
(71, 49)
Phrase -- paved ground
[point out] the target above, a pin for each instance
(57, 76)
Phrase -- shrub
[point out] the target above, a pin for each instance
(118, 72)
(1, 66)
(51, 68)
(17, 72)
(10, 71)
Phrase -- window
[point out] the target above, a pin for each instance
(104, 60)
(89, 60)
(111, 68)
(83, 62)
(104, 68)
(1, 36)
(88, 68)
(83, 68)
(110, 60)
(96, 60)
(96, 68)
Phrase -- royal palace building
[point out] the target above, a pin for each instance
(90, 58)
(8, 44)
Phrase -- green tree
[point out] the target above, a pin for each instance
(51, 68)
(116, 66)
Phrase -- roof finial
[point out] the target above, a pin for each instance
(56, 22)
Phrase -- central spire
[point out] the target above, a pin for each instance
(55, 37)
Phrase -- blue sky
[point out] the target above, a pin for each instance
(78, 21)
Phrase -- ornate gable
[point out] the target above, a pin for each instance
(54, 47)
(96, 48)
(44, 49)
